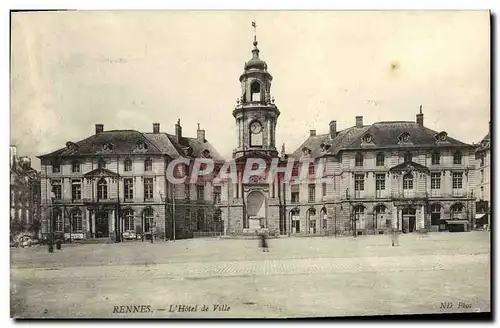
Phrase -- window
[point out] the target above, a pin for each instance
(75, 167)
(380, 182)
(187, 191)
(57, 189)
(457, 157)
(481, 196)
(128, 216)
(408, 181)
(217, 194)
(380, 159)
(200, 192)
(76, 220)
(76, 189)
(436, 158)
(187, 219)
(128, 186)
(56, 168)
(359, 160)
(408, 157)
(128, 165)
(482, 159)
(148, 165)
(295, 197)
(148, 189)
(101, 164)
(359, 182)
(58, 220)
(435, 180)
(149, 219)
(312, 192)
(102, 189)
(359, 209)
(457, 208)
(311, 169)
(457, 180)
(324, 188)
(482, 176)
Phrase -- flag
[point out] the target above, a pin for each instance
(253, 24)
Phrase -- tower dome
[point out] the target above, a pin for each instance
(256, 62)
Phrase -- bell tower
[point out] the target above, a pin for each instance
(256, 114)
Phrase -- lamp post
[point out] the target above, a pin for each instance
(164, 200)
(51, 223)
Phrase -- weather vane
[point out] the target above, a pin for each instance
(254, 25)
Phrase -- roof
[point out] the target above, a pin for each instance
(383, 135)
(485, 144)
(124, 142)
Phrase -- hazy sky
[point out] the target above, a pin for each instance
(127, 70)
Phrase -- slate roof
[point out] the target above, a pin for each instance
(384, 135)
(485, 144)
(124, 142)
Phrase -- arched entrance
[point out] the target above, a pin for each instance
(437, 219)
(380, 218)
(295, 220)
(256, 210)
(324, 218)
(312, 224)
(409, 219)
(358, 219)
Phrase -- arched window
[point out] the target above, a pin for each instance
(457, 208)
(324, 217)
(148, 165)
(436, 208)
(359, 159)
(128, 217)
(380, 159)
(359, 209)
(128, 165)
(102, 189)
(408, 181)
(255, 91)
(76, 220)
(379, 209)
(457, 157)
(148, 219)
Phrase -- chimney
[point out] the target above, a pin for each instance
(156, 128)
(13, 155)
(200, 134)
(99, 128)
(25, 162)
(333, 129)
(178, 130)
(420, 117)
(312, 133)
(359, 121)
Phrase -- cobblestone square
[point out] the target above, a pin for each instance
(299, 277)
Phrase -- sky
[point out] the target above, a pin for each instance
(128, 69)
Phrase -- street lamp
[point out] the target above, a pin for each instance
(51, 223)
(164, 200)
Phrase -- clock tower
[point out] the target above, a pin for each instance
(255, 113)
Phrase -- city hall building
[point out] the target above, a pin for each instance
(400, 175)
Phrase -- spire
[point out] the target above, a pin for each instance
(255, 50)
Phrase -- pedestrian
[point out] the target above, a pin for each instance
(263, 240)
(394, 237)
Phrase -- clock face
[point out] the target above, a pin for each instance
(255, 127)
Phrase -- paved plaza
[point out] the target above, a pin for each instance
(299, 277)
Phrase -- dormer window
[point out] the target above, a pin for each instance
(71, 146)
(404, 137)
(206, 153)
(306, 151)
(141, 145)
(441, 137)
(325, 147)
(368, 138)
(107, 147)
(189, 151)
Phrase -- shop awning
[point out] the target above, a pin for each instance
(457, 221)
(480, 215)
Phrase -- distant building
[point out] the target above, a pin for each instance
(113, 185)
(24, 192)
(483, 190)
